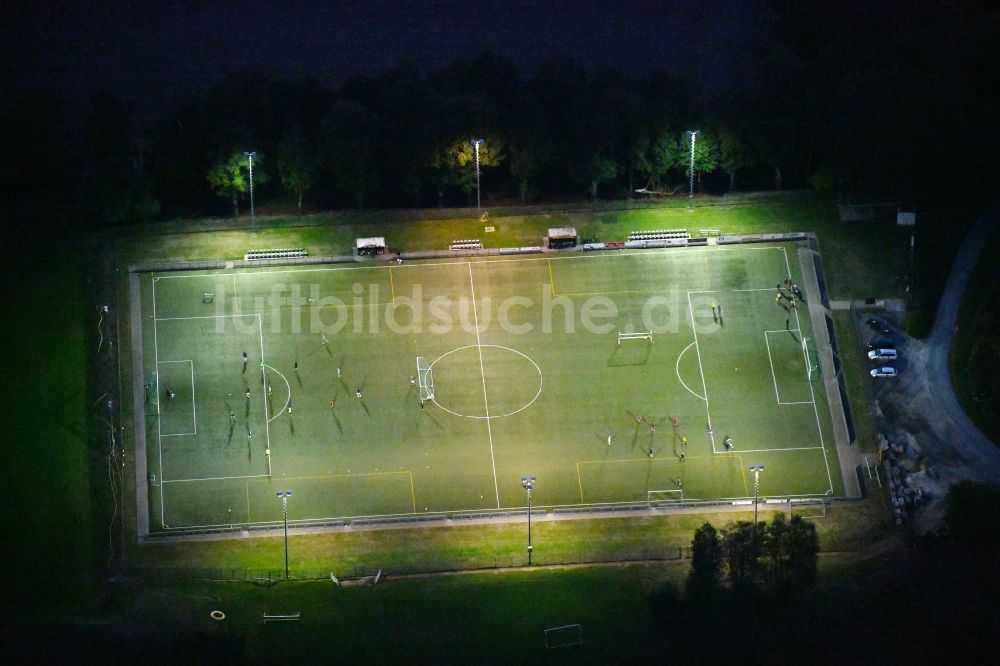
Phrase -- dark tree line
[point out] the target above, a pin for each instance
(776, 557)
(860, 96)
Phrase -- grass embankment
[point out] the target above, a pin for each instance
(47, 509)
(975, 349)
(857, 259)
(846, 527)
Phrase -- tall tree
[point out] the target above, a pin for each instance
(296, 164)
(230, 177)
(740, 549)
(350, 130)
(734, 154)
(114, 187)
(455, 164)
(706, 561)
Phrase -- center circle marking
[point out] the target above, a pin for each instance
(494, 416)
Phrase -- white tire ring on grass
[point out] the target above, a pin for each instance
(217, 615)
(498, 416)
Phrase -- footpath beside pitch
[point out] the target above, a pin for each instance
(847, 453)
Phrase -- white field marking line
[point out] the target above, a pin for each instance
(790, 448)
(677, 369)
(701, 370)
(281, 411)
(498, 416)
(812, 393)
(780, 401)
(236, 298)
(719, 291)
(222, 316)
(263, 394)
(159, 428)
(178, 434)
(649, 252)
(482, 370)
(770, 362)
(217, 478)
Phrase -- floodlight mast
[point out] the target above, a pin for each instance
(475, 144)
(528, 482)
(250, 155)
(756, 470)
(692, 134)
(284, 495)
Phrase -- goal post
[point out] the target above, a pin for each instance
(644, 335)
(425, 379)
(564, 636)
(811, 358)
(656, 498)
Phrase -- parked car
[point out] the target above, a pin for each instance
(880, 325)
(880, 342)
(883, 371)
(882, 354)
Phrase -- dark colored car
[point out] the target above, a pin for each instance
(880, 325)
(879, 343)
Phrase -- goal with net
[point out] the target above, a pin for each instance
(811, 358)
(425, 379)
(644, 335)
(657, 498)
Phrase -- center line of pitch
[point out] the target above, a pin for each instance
(482, 370)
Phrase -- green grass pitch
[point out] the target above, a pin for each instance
(529, 379)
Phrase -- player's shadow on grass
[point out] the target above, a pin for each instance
(635, 354)
(291, 426)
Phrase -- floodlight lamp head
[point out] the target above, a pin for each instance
(477, 142)
(251, 154)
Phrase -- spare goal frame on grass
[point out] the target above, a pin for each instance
(564, 636)
(642, 335)
(425, 379)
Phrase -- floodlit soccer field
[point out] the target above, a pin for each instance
(523, 372)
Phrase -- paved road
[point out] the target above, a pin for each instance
(924, 397)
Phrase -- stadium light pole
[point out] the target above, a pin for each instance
(692, 134)
(756, 470)
(529, 484)
(475, 144)
(250, 155)
(284, 495)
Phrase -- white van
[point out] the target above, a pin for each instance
(882, 354)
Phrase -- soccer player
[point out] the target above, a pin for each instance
(638, 418)
(682, 456)
(359, 391)
(684, 441)
(338, 373)
(650, 454)
(232, 416)
(609, 440)
(295, 366)
(248, 393)
(413, 381)
(652, 427)
(674, 421)
(289, 407)
(323, 340)
(333, 403)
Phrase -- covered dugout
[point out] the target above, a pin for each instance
(560, 237)
(370, 247)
